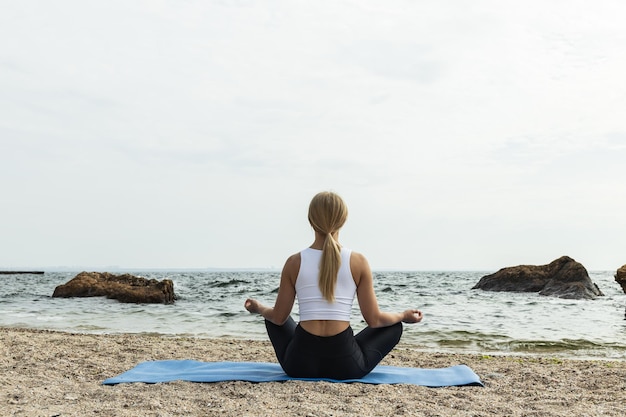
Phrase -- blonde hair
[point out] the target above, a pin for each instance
(327, 214)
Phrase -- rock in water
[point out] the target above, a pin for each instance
(125, 288)
(563, 277)
(620, 277)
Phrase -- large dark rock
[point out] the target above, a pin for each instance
(125, 288)
(620, 277)
(564, 278)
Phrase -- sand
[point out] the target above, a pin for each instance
(46, 373)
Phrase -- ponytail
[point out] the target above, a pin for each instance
(327, 214)
(329, 267)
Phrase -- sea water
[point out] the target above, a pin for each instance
(456, 318)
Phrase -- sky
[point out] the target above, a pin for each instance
(193, 134)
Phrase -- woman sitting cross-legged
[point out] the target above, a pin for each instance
(326, 277)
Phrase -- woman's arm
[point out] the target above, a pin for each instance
(367, 297)
(286, 295)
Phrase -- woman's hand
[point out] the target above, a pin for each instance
(412, 316)
(252, 305)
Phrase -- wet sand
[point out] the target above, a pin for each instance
(60, 374)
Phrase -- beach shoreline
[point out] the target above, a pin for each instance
(52, 373)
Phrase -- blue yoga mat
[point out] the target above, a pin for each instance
(194, 371)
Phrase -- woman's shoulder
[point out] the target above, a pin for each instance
(358, 261)
(293, 262)
(292, 267)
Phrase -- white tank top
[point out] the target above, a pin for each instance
(313, 306)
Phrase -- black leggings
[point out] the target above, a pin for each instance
(343, 356)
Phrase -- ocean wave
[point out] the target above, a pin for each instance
(456, 318)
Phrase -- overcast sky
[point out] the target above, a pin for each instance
(193, 134)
